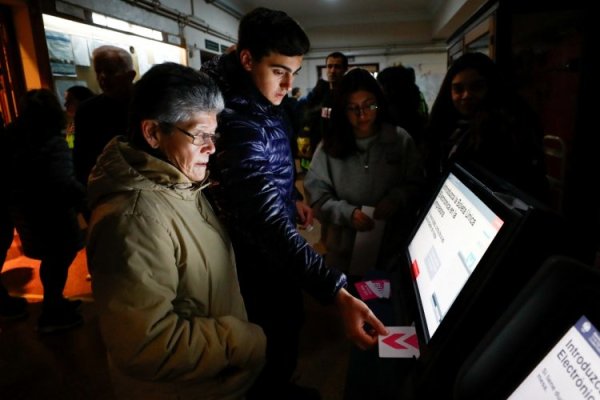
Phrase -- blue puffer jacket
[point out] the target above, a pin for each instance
(256, 173)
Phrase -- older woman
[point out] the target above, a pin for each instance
(163, 271)
(363, 162)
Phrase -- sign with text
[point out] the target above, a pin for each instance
(571, 370)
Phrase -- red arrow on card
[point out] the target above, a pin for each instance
(392, 341)
(412, 341)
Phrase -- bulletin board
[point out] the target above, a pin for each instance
(70, 47)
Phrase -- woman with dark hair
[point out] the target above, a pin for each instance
(363, 161)
(478, 118)
(44, 200)
(163, 269)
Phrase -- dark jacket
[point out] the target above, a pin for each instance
(311, 106)
(256, 173)
(97, 121)
(507, 141)
(44, 195)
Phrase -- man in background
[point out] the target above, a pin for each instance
(317, 103)
(296, 93)
(104, 116)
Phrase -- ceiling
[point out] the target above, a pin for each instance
(367, 24)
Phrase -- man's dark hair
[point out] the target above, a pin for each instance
(337, 54)
(81, 93)
(263, 31)
(41, 115)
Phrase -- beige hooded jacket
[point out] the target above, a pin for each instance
(165, 284)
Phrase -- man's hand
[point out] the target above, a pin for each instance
(360, 324)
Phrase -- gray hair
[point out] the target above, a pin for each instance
(171, 93)
(117, 54)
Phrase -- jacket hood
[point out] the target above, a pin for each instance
(123, 169)
(238, 89)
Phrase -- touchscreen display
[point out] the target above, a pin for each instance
(447, 247)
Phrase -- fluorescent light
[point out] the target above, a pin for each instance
(118, 24)
(125, 26)
(99, 19)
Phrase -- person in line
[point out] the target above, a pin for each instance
(423, 107)
(478, 118)
(296, 93)
(163, 269)
(316, 105)
(105, 115)
(404, 101)
(74, 96)
(257, 179)
(295, 116)
(44, 200)
(363, 161)
(11, 307)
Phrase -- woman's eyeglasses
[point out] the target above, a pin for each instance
(200, 139)
(357, 110)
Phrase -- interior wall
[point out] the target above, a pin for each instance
(196, 40)
(307, 78)
(197, 19)
(430, 69)
(428, 66)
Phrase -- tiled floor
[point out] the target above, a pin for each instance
(72, 365)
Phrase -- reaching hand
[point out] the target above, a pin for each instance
(360, 324)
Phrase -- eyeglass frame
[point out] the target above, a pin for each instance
(205, 136)
(357, 110)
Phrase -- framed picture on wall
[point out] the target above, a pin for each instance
(60, 51)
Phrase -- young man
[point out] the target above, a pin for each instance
(257, 194)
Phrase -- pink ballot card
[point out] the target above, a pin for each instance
(401, 342)
(374, 289)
